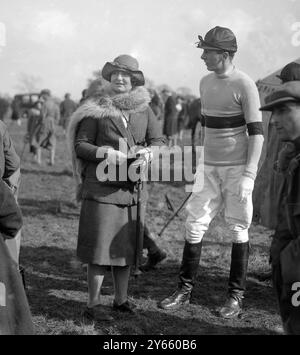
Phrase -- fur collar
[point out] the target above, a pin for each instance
(102, 107)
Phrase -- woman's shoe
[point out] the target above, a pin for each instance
(97, 313)
(126, 307)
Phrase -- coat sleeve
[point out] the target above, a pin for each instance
(85, 147)
(12, 160)
(10, 213)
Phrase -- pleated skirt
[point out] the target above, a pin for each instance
(107, 233)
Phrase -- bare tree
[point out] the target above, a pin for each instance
(149, 83)
(28, 83)
(96, 75)
(184, 91)
(162, 87)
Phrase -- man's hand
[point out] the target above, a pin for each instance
(245, 187)
(115, 157)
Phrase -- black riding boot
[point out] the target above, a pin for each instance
(237, 280)
(187, 277)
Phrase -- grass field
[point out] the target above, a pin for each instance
(57, 289)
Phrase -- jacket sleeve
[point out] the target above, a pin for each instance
(10, 213)
(12, 160)
(153, 134)
(57, 113)
(85, 147)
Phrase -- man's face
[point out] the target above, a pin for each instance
(213, 59)
(287, 120)
(120, 81)
(44, 97)
(39, 105)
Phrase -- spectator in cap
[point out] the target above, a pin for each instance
(51, 117)
(285, 248)
(285, 152)
(233, 142)
(83, 96)
(101, 131)
(290, 72)
(67, 107)
(34, 129)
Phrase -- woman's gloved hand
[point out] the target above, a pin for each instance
(145, 153)
(115, 157)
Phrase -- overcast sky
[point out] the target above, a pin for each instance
(63, 41)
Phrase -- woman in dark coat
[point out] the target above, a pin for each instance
(101, 132)
(170, 128)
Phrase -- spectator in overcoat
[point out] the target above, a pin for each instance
(284, 104)
(15, 315)
(170, 119)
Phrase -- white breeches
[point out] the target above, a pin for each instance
(219, 188)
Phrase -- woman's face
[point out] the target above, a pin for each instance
(120, 81)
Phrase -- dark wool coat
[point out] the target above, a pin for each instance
(67, 107)
(170, 117)
(182, 120)
(285, 248)
(194, 113)
(96, 124)
(15, 316)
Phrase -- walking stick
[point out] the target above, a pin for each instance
(174, 215)
(139, 230)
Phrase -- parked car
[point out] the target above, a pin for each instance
(22, 103)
